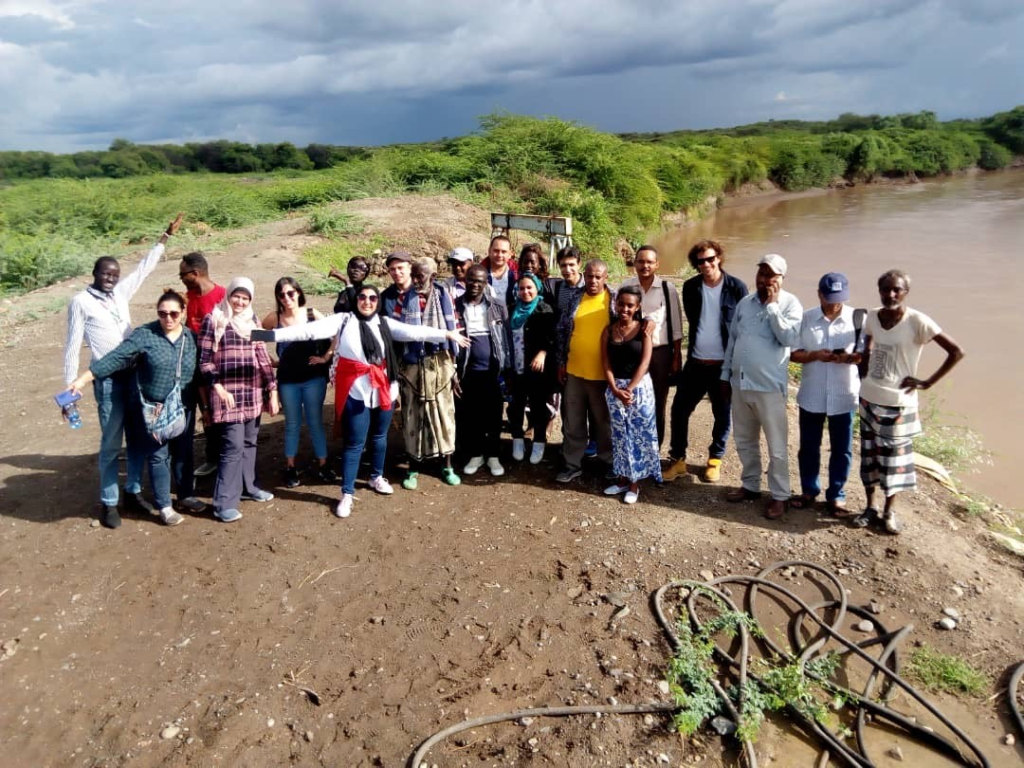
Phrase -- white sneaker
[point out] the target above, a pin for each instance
(495, 466)
(204, 469)
(537, 453)
(344, 508)
(170, 517)
(518, 448)
(192, 504)
(615, 490)
(381, 486)
(631, 496)
(474, 464)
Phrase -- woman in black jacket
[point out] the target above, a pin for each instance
(533, 338)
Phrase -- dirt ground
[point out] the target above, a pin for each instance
(293, 637)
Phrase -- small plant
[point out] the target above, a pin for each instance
(939, 672)
(957, 447)
(330, 222)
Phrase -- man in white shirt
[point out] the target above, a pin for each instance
(829, 387)
(501, 269)
(100, 317)
(660, 306)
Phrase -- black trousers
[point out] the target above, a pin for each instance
(533, 388)
(478, 414)
(661, 372)
(696, 381)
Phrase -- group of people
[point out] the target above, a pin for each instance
(502, 338)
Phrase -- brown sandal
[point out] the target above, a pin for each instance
(803, 501)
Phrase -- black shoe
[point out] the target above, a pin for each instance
(291, 477)
(867, 518)
(327, 474)
(136, 503)
(109, 518)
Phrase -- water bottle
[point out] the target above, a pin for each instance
(73, 416)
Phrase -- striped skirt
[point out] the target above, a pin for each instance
(887, 447)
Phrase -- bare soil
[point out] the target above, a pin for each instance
(293, 637)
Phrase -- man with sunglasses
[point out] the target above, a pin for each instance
(203, 295)
(100, 317)
(709, 303)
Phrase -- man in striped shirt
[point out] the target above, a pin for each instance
(100, 317)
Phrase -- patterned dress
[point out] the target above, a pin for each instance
(635, 454)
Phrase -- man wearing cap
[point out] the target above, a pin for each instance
(829, 388)
(755, 376)
(459, 261)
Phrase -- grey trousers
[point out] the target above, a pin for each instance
(583, 399)
(236, 470)
(752, 413)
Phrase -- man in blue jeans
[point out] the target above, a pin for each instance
(829, 388)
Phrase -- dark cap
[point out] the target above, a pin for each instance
(398, 256)
(834, 287)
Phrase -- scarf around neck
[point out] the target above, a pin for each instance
(522, 310)
(223, 314)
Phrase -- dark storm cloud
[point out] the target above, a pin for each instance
(77, 73)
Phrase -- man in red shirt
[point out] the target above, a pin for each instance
(203, 296)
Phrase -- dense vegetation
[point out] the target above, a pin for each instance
(58, 211)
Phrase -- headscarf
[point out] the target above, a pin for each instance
(522, 310)
(223, 314)
(371, 347)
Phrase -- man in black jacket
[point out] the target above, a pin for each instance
(709, 301)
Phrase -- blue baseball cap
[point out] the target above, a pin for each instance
(834, 287)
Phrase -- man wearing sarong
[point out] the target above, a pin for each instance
(755, 378)
(894, 336)
(427, 376)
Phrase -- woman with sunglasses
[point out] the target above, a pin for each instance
(156, 350)
(302, 372)
(365, 380)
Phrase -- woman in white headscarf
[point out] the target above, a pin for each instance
(239, 375)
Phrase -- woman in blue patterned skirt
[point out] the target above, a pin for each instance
(626, 353)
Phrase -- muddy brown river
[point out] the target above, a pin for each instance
(961, 240)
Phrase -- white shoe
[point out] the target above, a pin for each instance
(170, 517)
(631, 496)
(192, 504)
(204, 469)
(344, 508)
(474, 464)
(495, 466)
(518, 448)
(537, 453)
(615, 490)
(381, 486)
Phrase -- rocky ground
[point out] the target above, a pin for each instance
(295, 637)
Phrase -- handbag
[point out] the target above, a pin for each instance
(167, 420)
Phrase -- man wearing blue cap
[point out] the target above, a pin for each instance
(829, 388)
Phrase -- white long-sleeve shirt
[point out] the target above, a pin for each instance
(346, 327)
(104, 321)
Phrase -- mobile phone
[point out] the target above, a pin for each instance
(64, 399)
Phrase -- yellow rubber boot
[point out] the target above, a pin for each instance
(713, 471)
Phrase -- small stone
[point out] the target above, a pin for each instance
(875, 607)
(620, 614)
(663, 686)
(376, 619)
(946, 623)
(309, 735)
(94, 524)
(706, 575)
(958, 591)
(575, 592)
(649, 721)
(953, 613)
(170, 732)
(662, 757)
(270, 722)
(723, 726)
(532, 742)
(525, 721)
(895, 753)
(865, 626)
(618, 599)
(1009, 740)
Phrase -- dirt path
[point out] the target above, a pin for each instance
(414, 613)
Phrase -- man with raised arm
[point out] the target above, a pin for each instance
(100, 317)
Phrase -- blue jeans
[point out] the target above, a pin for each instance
(173, 458)
(840, 440)
(304, 400)
(112, 397)
(357, 423)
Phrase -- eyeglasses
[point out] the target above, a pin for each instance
(288, 294)
(190, 272)
(708, 260)
(163, 314)
(370, 297)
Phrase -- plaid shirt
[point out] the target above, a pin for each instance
(156, 359)
(242, 367)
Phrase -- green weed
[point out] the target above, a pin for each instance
(941, 673)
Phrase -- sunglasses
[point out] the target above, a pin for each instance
(288, 294)
(163, 314)
(708, 260)
(370, 297)
(186, 274)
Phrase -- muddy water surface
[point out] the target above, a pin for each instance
(961, 240)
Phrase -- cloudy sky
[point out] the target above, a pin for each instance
(75, 74)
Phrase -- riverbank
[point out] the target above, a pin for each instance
(201, 644)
